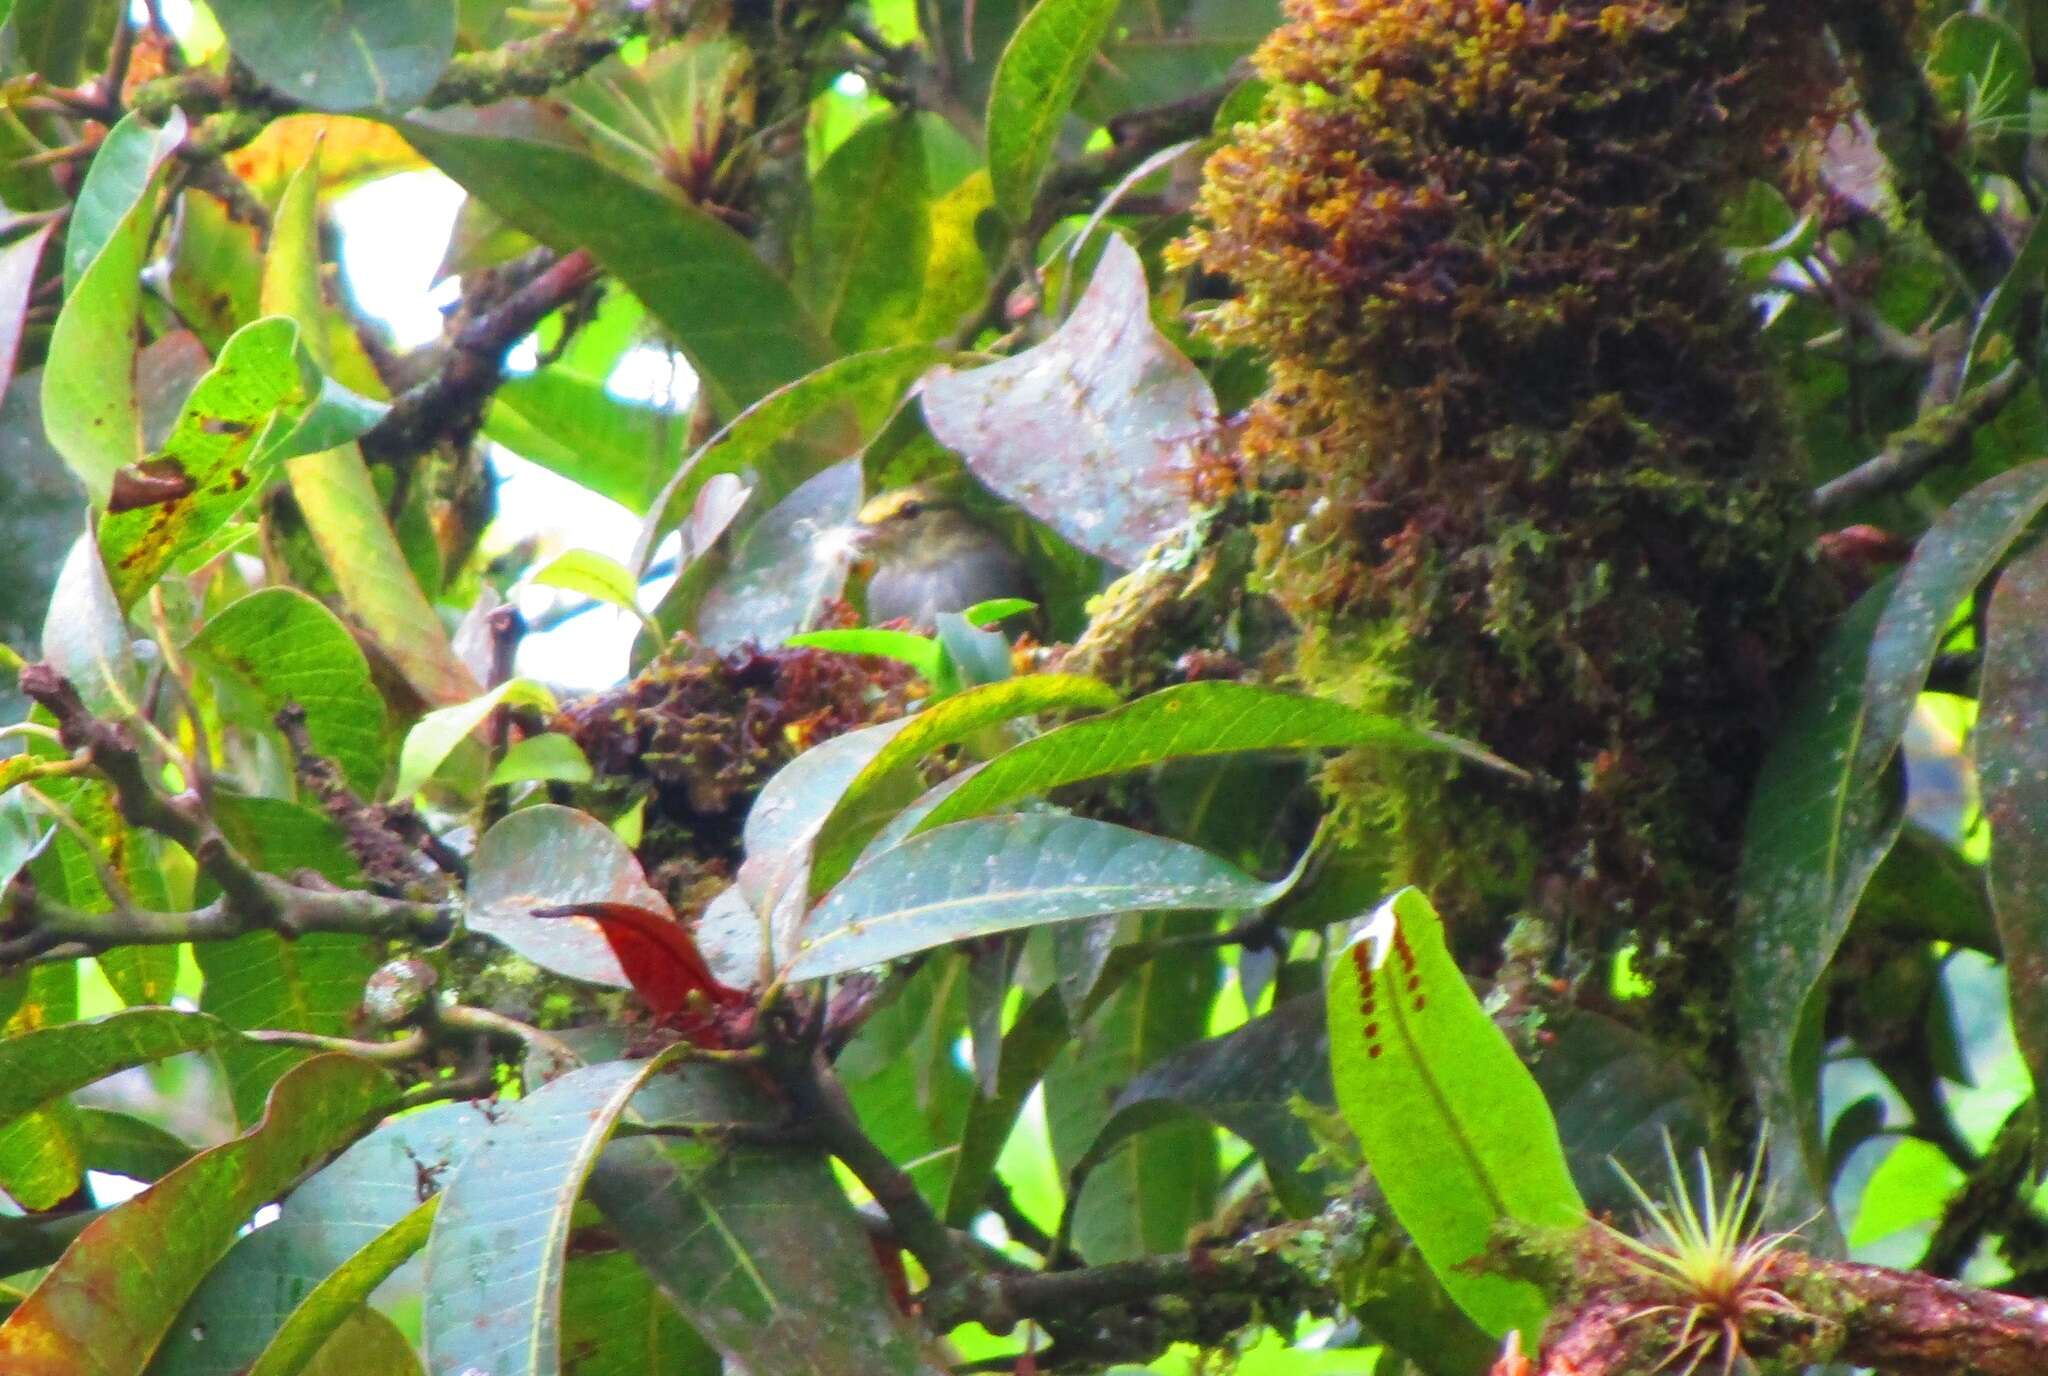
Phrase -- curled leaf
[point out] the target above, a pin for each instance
(664, 966)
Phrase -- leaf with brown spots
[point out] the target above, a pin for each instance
(208, 466)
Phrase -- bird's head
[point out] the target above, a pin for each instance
(931, 555)
(917, 525)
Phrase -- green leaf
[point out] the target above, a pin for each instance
(214, 448)
(341, 1294)
(737, 321)
(1096, 431)
(343, 54)
(291, 270)
(999, 874)
(594, 575)
(1040, 1032)
(573, 426)
(2011, 740)
(1149, 1195)
(920, 652)
(1817, 829)
(435, 736)
(757, 1246)
(1456, 1132)
(861, 266)
(22, 834)
(90, 410)
(1926, 891)
(69, 874)
(889, 780)
(868, 383)
(123, 1144)
(768, 896)
(550, 856)
(117, 180)
(216, 270)
(38, 1066)
(2022, 282)
(1905, 1190)
(313, 983)
(321, 1224)
(1826, 811)
(496, 1258)
(1035, 82)
(777, 573)
(903, 1076)
(550, 755)
(1619, 1096)
(366, 1344)
(342, 510)
(615, 1323)
(56, 36)
(984, 614)
(85, 634)
(292, 287)
(973, 656)
(1187, 720)
(280, 646)
(18, 264)
(102, 1310)
(1245, 1081)
(1979, 67)
(1158, 51)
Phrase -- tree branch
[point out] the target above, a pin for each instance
(1903, 1322)
(250, 899)
(1938, 437)
(1915, 135)
(818, 1101)
(1134, 136)
(451, 402)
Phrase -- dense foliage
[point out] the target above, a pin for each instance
(1460, 790)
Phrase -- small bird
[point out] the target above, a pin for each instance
(931, 556)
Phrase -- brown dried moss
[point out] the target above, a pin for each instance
(1529, 469)
(696, 736)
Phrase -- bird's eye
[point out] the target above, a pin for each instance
(910, 510)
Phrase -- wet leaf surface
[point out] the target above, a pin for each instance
(998, 874)
(1096, 431)
(756, 1246)
(546, 857)
(102, 1310)
(2012, 761)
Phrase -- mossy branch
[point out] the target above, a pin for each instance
(1913, 133)
(523, 67)
(1939, 437)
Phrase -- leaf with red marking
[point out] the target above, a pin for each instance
(663, 964)
(1456, 1131)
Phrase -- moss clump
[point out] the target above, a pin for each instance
(697, 734)
(1528, 467)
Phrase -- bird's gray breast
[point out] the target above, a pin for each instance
(917, 593)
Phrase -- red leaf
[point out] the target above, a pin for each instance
(890, 1258)
(662, 963)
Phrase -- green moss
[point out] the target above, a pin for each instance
(1527, 468)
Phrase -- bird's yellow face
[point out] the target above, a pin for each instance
(916, 526)
(930, 556)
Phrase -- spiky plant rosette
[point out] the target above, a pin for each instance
(1702, 1263)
